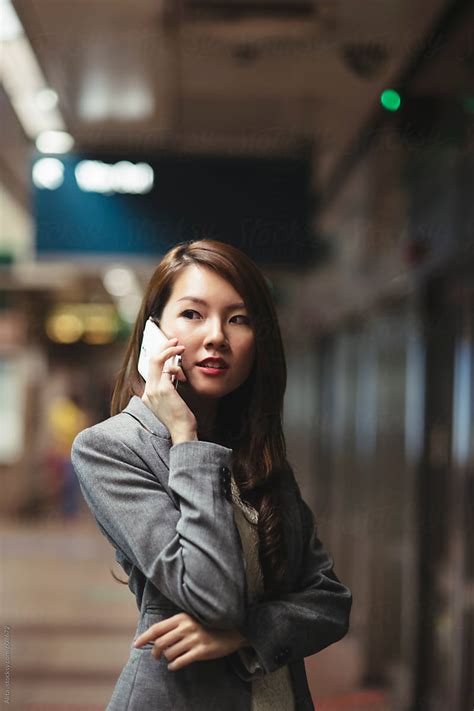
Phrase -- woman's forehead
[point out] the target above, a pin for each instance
(203, 283)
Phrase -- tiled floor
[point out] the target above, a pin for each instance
(68, 624)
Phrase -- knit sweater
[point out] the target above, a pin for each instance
(273, 690)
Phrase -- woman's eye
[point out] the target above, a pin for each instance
(189, 311)
(192, 311)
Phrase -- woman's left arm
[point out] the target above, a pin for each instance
(299, 623)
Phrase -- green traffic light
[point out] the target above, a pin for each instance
(390, 100)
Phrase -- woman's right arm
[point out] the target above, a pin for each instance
(193, 554)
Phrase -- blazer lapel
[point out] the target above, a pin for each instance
(162, 438)
(137, 408)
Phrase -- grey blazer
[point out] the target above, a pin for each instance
(167, 511)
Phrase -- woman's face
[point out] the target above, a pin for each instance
(218, 328)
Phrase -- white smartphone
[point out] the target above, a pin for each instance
(154, 341)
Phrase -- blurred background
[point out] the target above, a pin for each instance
(332, 141)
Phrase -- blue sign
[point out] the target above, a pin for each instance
(96, 205)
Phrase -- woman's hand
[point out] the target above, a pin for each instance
(160, 395)
(182, 640)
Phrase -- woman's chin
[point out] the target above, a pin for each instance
(206, 389)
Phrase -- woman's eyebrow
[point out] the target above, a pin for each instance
(197, 300)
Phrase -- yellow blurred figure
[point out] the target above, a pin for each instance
(65, 420)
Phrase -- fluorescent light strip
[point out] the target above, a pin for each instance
(23, 79)
(10, 25)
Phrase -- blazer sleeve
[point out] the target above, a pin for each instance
(300, 623)
(194, 555)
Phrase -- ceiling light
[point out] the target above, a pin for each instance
(119, 281)
(122, 177)
(54, 142)
(10, 26)
(46, 99)
(33, 101)
(97, 102)
(48, 173)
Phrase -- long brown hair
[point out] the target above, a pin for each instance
(250, 418)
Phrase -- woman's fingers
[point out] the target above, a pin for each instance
(176, 370)
(184, 641)
(169, 639)
(159, 361)
(172, 651)
(184, 660)
(174, 636)
(160, 358)
(159, 629)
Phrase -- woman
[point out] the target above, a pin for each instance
(193, 489)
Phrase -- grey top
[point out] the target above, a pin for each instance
(167, 511)
(273, 690)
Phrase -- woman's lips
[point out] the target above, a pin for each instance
(212, 371)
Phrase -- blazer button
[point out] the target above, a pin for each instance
(224, 469)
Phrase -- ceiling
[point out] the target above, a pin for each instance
(231, 77)
(450, 72)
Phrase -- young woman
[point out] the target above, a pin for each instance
(192, 487)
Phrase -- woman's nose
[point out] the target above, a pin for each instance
(215, 334)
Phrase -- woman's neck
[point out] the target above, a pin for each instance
(209, 434)
(204, 410)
